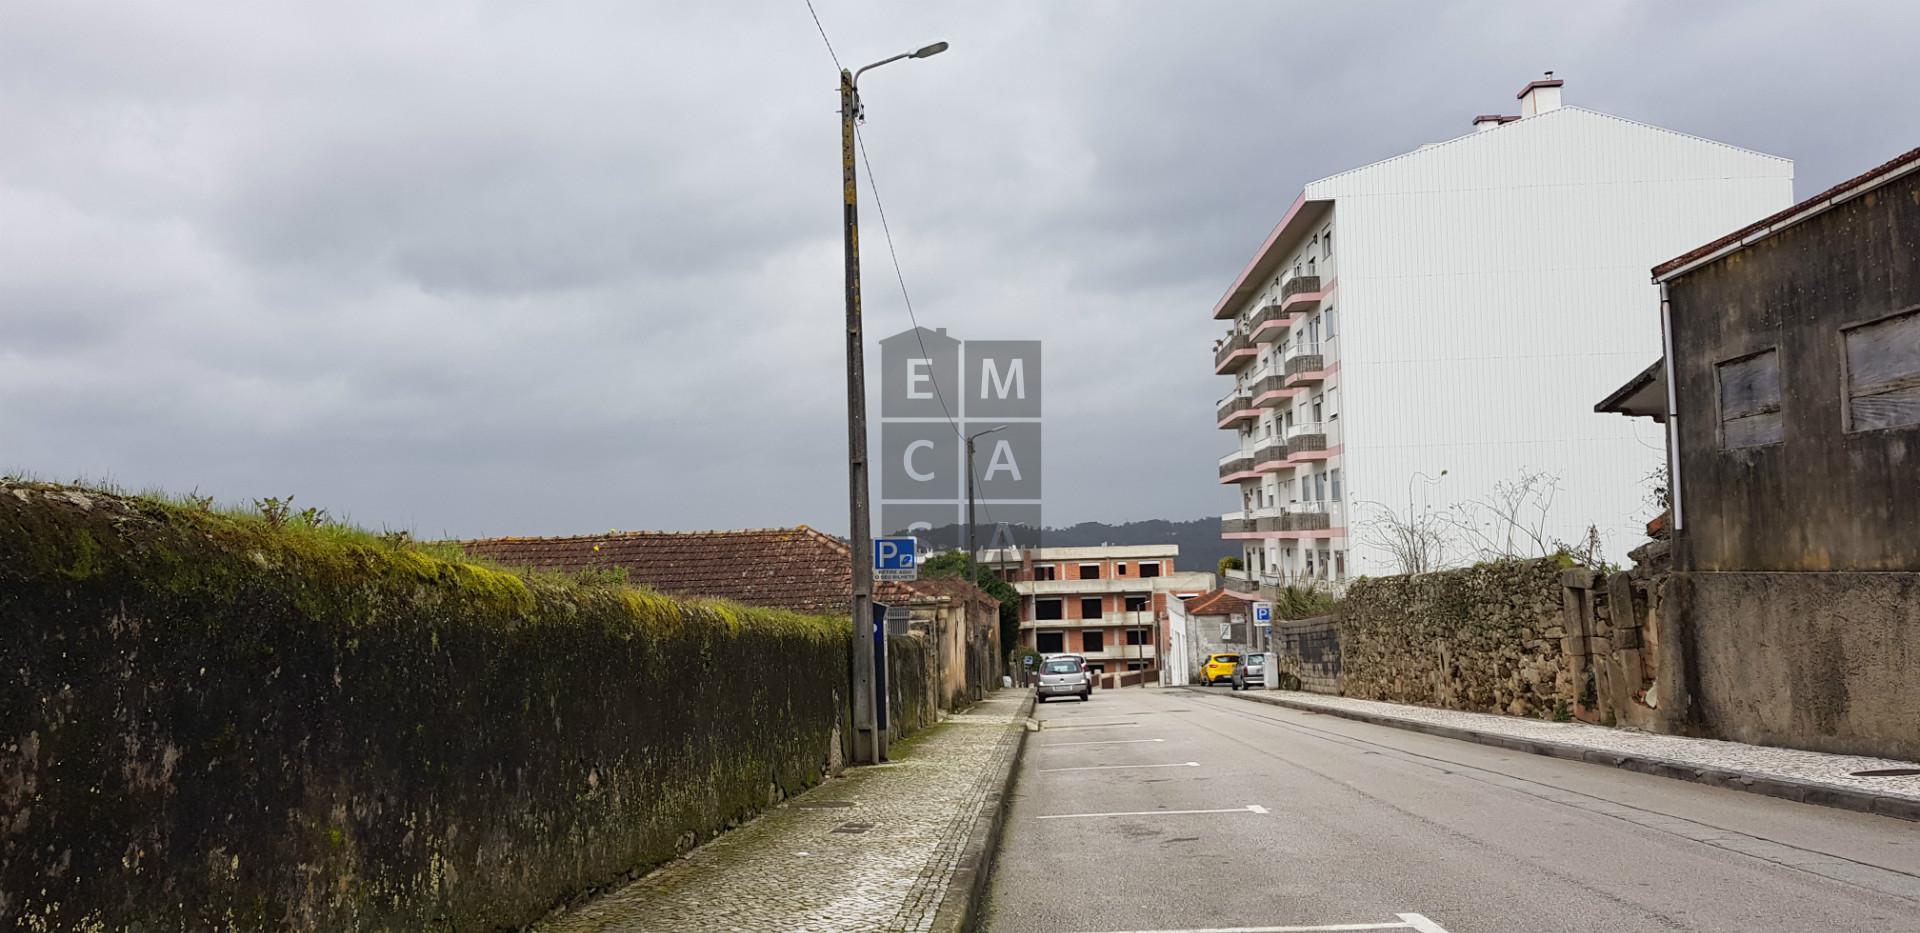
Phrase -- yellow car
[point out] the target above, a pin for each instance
(1218, 669)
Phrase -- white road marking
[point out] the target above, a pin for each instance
(1415, 922)
(1177, 764)
(1046, 725)
(1255, 808)
(1108, 742)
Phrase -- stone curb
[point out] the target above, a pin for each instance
(959, 909)
(1753, 782)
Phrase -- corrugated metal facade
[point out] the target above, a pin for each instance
(1493, 287)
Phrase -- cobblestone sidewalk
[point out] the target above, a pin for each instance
(873, 850)
(1788, 765)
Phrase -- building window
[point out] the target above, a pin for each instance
(1326, 562)
(1136, 603)
(1334, 476)
(1339, 565)
(1332, 330)
(1326, 243)
(1089, 571)
(1138, 636)
(1043, 571)
(1883, 372)
(1150, 569)
(1136, 665)
(1050, 642)
(1119, 570)
(1090, 607)
(1048, 610)
(1750, 401)
(1093, 640)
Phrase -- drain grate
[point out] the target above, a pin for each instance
(852, 828)
(823, 804)
(1889, 772)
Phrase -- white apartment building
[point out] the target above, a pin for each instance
(1107, 603)
(1456, 308)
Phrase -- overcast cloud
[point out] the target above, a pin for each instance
(503, 268)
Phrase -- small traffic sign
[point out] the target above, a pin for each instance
(1263, 613)
(896, 559)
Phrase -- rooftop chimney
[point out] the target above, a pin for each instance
(1490, 121)
(1540, 96)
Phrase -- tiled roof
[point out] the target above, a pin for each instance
(1217, 603)
(1813, 205)
(790, 568)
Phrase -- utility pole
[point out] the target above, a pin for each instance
(973, 550)
(869, 744)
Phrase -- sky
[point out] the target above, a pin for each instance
(502, 268)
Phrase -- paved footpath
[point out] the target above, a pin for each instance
(1847, 781)
(877, 849)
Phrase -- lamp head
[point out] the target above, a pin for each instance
(930, 50)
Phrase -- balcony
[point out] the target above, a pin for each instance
(1235, 523)
(1234, 353)
(1269, 323)
(1305, 365)
(1307, 516)
(1307, 441)
(1236, 408)
(1270, 454)
(1267, 519)
(1271, 390)
(1233, 464)
(1301, 294)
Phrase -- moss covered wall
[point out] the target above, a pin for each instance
(212, 724)
(1485, 638)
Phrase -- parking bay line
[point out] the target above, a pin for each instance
(1106, 742)
(1414, 922)
(1044, 727)
(1249, 808)
(1177, 764)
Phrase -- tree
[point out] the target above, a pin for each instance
(1230, 562)
(1417, 540)
(1512, 520)
(958, 566)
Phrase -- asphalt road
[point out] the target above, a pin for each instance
(1150, 809)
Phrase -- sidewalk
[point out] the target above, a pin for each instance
(895, 847)
(1808, 777)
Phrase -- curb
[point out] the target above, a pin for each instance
(959, 908)
(1753, 782)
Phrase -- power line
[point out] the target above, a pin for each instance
(823, 36)
(873, 185)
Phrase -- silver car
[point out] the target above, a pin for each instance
(1250, 672)
(1064, 676)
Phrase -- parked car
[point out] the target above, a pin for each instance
(1251, 672)
(1218, 668)
(1064, 675)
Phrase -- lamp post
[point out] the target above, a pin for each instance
(973, 552)
(869, 746)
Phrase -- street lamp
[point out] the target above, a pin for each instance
(869, 746)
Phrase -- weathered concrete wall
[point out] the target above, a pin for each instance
(211, 724)
(1823, 498)
(1309, 649)
(1823, 661)
(1484, 638)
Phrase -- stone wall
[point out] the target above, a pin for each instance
(1485, 638)
(217, 723)
(1309, 651)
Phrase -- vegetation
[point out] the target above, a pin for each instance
(1230, 562)
(958, 566)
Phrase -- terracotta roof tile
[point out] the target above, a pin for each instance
(1217, 603)
(789, 568)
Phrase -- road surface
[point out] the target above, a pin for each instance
(1151, 809)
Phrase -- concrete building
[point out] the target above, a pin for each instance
(1102, 602)
(1210, 623)
(1790, 390)
(1457, 308)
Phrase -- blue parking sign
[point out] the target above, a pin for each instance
(896, 559)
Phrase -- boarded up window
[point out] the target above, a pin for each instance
(1883, 372)
(1750, 401)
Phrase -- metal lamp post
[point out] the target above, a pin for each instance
(973, 552)
(869, 746)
